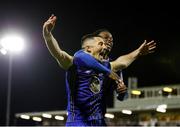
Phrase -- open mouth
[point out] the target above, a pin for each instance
(109, 45)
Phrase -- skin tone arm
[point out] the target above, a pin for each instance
(125, 60)
(63, 58)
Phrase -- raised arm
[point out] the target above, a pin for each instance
(125, 60)
(63, 58)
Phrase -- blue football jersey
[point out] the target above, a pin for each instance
(85, 89)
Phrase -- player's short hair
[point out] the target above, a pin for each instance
(86, 38)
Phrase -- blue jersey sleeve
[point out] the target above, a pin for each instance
(84, 59)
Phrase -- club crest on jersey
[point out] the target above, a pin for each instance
(95, 85)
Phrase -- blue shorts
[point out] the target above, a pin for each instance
(98, 122)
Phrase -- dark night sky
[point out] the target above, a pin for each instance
(38, 81)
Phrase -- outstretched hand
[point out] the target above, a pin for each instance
(147, 47)
(49, 24)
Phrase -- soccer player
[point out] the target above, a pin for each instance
(125, 60)
(86, 72)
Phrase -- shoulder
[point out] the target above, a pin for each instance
(81, 54)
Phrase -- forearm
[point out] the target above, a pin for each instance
(51, 44)
(125, 60)
(63, 58)
(129, 58)
(115, 77)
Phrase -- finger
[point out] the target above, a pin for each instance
(120, 85)
(152, 51)
(145, 41)
(151, 48)
(49, 21)
(122, 91)
(51, 18)
(52, 15)
(143, 44)
(118, 81)
(152, 45)
(121, 88)
(151, 42)
(54, 19)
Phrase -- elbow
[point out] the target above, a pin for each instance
(124, 65)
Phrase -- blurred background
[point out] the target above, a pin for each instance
(32, 83)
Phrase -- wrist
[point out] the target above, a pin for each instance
(138, 53)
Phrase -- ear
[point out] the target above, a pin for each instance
(88, 49)
(100, 43)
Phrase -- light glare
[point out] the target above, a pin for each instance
(163, 106)
(129, 112)
(161, 110)
(108, 115)
(37, 119)
(25, 117)
(167, 89)
(47, 115)
(59, 117)
(12, 43)
(136, 92)
(3, 51)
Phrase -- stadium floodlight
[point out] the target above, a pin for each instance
(45, 115)
(167, 89)
(3, 51)
(136, 92)
(108, 115)
(38, 119)
(161, 108)
(59, 117)
(12, 43)
(25, 117)
(125, 111)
